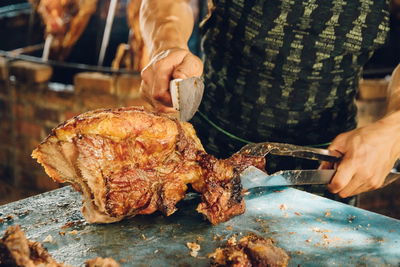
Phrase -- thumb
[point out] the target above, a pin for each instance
(190, 66)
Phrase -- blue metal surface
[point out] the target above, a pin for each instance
(315, 231)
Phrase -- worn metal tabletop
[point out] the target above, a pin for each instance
(315, 231)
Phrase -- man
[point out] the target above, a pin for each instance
(282, 71)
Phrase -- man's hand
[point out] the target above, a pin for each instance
(175, 63)
(369, 155)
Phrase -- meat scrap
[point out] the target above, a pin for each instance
(194, 248)
(101, 262)
(127, 161)
(251, 250)
(17, 250)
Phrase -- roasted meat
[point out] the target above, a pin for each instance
(250, 251)
(65, 21)
(17, 250)
(128, 161)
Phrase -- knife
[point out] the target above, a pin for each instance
(252, 177)
(186, 96)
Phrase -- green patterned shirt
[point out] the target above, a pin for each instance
(285, 70)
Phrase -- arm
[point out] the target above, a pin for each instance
(166, 27)
(371, 151)
(166, 24)
(394, 92)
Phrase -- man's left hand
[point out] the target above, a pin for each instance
(369, 154)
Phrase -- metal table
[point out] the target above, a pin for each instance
(315, 231)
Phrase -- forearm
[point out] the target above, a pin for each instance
(166, 24)
(391, 121)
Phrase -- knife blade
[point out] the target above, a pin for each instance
(186, 96)
(253, 177)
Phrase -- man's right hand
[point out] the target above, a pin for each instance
(174, 63)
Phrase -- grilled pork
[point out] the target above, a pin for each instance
(128, 161)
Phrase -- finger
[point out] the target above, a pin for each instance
(352, 187)
(191, 66)
(342, 177)
(161, 76)
(160, 90)
(361, 189)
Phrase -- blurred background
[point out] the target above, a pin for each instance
(58, 60)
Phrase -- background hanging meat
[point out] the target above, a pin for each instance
(65, 21)
(134, 55)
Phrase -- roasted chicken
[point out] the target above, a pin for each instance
(65, 21)
(128, 161)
